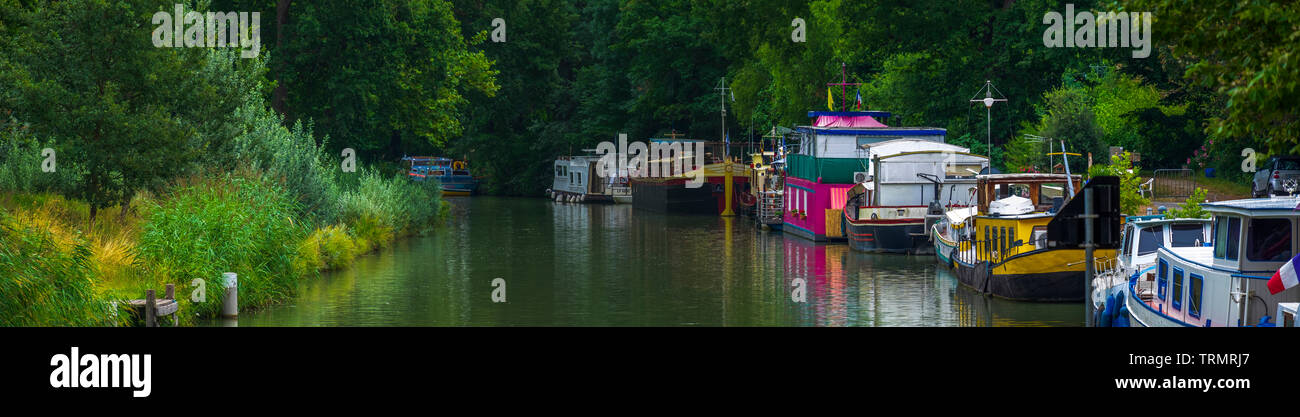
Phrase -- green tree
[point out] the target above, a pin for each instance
(126, 114)
(1245, 51)
(382, 76)
(1130, 199)
(1190, 209)
(1067, 116)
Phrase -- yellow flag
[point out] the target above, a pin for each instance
(830, 101)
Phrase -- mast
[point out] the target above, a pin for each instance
(844, 86)
(988, 101)
(722, 106)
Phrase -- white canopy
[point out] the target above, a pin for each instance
(1011, 206)
(960, 215)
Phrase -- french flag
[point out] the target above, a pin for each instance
(1285, 277)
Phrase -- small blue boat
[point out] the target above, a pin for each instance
(451, 174)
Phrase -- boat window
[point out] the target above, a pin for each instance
(1227, 232)
(1234, 237)
(952, 171)
(1194, 295)
(987, 238)
(1050, 190)
(1186, 235)
(1150, 239)
(1128, 241)
(1178, 289)
(1039, 236)
(1163, 277)
(1020, 190)
(1269, 240)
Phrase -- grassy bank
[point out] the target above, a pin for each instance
(283, 212)
(58, 269)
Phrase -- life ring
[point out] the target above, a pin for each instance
(458, 165)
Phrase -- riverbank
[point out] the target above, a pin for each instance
(59, 269)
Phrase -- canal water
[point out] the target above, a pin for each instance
(610, 265)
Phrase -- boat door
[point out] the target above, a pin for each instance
(597, 183)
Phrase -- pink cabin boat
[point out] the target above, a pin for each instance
(833, 155)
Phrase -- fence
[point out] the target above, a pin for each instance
(1172, 183)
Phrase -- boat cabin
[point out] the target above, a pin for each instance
(1047, 192)
(1223, 284)
(576, 176)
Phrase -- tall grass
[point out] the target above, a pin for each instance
(230, 223)
(45, 278)
(390, 205)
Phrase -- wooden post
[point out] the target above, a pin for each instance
(171, 295)
(150, 309)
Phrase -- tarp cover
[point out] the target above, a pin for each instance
(848, 121)
(1011, 206)
(960, 215)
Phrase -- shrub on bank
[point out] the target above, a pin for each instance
(230, 223)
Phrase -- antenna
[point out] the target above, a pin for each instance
(844, 83)
(988, 101)
(722, 104)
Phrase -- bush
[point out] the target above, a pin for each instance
(21, 158)
(1190, 209)
(232, 223)
(380, 209)
(292, 157)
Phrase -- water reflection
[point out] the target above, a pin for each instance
(608, 265)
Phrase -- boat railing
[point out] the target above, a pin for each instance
(771, 207)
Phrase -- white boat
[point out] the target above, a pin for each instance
(1142, 237)
(909, 185)
(1223, 284)
(576, 181)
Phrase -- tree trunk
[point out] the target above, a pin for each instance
(90, 225)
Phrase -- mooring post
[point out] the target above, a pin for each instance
(1088, 215)
(150, 310)
(230, 305)
(170, 294)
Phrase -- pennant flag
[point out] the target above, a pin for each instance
(830, 102)
(859, 99)
(1285, 277)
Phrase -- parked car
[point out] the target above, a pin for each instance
(1270, 177)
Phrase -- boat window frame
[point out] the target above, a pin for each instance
(1039, 242)
(1002, 241)
(1176, 286)
(1159, 235)
(987, 238)
(1250, 239)
(1230, 252)
(1162, 278)
(1194, 309)
(1129, 230)
(1042, 194)
(1199, 227)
